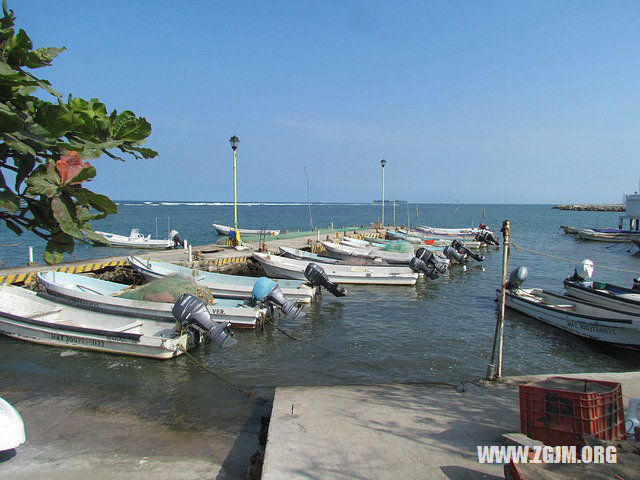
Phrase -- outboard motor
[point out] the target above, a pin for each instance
(192, 312)
(636, 284)
(517, 278)
(175, 237)
(318, 278)
(418, 265)
(461, 248)
(582, 272)
(452, 254)
(430, 259)
(487, 236)
(266, 290)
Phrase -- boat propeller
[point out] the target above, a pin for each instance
(268, 291)
(462, 249)
(517, 278)
(318, 278)
(582, 272)
(190, 311)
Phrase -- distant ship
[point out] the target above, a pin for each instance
(390, 202)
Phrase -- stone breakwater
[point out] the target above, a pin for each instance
(592, 208)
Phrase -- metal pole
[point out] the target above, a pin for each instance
(495, 371)
(30, 254)
(235, 199)
(383, 195)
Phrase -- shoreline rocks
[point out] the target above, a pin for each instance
(591, 208)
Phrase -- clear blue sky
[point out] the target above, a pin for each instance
(481, 101)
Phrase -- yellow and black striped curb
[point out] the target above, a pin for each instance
(87, 267)
(224, 261)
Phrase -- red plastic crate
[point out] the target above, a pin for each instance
(558, 410)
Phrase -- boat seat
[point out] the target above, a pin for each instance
(43, 314)
(566, 307)
(129, 326)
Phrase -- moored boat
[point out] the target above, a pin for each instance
(304, 255)
(572, 315)
(221, 285)
(278, 266)
(138, 240)
(103, 296)
(26, 316)
(224, 230)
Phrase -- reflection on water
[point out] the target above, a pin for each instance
(435, 330)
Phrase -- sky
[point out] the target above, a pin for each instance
(469, 101)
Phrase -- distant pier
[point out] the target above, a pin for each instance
(591, 208)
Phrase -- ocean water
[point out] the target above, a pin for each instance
(435, 330)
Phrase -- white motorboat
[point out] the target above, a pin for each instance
(12, 433)
(575, 316)
(221, 285)
(581, 286)
(346, 252)
(103, 296)
(278, 266)
(138, 240)
(224, 230)
(26, 316)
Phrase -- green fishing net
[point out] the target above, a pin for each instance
(400, 246)
(167, 289)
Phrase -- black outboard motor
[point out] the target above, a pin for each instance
(192, 312)
(430, 259)
(418, 265)
(460, 247)
(318, 278)
(177, 241)
(517, 278)
(488, 237)
(636, 284)
(266, 290)
(582, 272)
(452, 254)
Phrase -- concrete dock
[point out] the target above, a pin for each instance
(417, 431)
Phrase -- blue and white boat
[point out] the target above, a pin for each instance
(220, 284)
(102, 296)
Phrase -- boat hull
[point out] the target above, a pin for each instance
(12, 433)
(611, 327)
(603, 298)
(342, 274)
(224, 230)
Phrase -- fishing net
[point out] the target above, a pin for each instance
(167, 289)
(400, 246)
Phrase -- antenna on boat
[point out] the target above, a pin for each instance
(168, 229)
(408, 220)
(156, 228)
(308, 198)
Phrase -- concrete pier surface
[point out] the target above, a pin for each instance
(398, 431)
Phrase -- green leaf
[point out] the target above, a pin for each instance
(25, 166)
(101, 203)
(85, 174)
(17, 144)
(64, 211)
(9, 201)
(94, 237)
(44, 181)
(9, 121)
(42, 56)
(127, 126)
(51, 255)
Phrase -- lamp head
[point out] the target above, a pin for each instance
(383, 162)
(234, 141)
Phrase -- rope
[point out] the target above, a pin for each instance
(250, 393)
(281, 330)
(564, 259)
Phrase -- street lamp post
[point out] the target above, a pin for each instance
(383, 162)
(234, 146)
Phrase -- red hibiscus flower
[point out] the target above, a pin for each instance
(69, 166)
